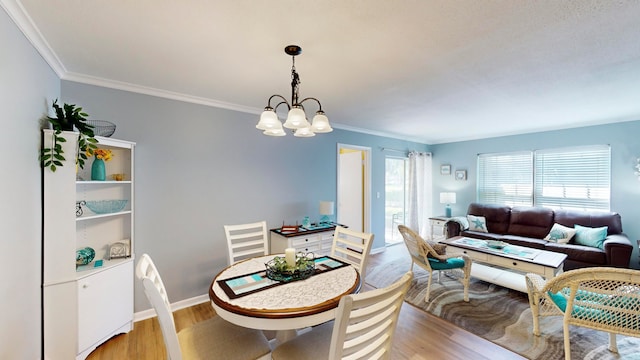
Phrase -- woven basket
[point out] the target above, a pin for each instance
(102, 127)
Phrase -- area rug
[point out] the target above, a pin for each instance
(501, 316)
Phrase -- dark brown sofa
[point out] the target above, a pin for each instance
(528, 226)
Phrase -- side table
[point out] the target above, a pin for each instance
(439, 223)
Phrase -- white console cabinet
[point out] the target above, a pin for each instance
(318, 242)
(85, 306)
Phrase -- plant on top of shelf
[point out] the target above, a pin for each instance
(67, 118)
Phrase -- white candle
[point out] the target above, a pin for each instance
(290, 257)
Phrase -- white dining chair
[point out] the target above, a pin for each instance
(363, 328)
(214, 338)
(247, 240)
(352, 247)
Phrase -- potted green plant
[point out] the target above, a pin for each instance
(68, 118)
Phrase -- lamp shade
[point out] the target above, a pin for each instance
(326, 207)
(321, 123)
(269, 120)
(447, 198)
(296, 119)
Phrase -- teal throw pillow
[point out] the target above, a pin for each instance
(593, 237)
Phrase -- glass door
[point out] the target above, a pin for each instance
(396, 176)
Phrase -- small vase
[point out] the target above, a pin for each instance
(98, 171)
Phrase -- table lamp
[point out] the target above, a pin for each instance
(447, 198)
(326, 209)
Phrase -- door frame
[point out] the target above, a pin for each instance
(366, 196)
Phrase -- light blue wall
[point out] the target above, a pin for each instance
(27, 85)
(625, 148)
(199, 168)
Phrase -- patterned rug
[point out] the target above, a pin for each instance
(501, 316)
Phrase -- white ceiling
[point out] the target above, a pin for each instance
(426, 70)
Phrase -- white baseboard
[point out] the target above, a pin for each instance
(147, 314)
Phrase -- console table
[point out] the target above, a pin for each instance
(317, 239)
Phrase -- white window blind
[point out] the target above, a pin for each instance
(505, 178)
(573, 178)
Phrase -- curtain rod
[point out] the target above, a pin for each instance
(406, 152)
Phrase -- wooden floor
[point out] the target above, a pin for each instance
(418, 336)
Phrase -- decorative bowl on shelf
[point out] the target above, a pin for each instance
(496, 244)
(106, 206)
(278, 270)
(102, 127)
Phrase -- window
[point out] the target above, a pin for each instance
(575, 178)
(506, 178)
(568, 178)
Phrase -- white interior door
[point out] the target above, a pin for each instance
(353, 185)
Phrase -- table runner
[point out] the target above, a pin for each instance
(242, 285)
(519, 251)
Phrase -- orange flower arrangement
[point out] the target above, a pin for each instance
(104, 154)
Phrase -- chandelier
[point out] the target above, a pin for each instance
(296, 118)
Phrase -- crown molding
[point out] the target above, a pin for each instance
(23, 21)
(119, 85)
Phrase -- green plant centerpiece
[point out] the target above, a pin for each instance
(279, 270)
(67, 118)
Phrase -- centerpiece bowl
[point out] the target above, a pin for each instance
(279, 270)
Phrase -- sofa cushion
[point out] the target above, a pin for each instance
(533, 222)
(497, 216)
(569, 218)
(578, 253)
(593, 237)
(477, 223)
(560, 234)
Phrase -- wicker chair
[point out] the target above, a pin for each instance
(602, 298)
(424, 254)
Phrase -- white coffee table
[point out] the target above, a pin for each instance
(506, 267)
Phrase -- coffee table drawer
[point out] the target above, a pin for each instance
(515, 264)
(474, 255)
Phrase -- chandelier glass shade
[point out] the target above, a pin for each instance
(296, 117)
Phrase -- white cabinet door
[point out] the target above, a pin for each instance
(105, 303)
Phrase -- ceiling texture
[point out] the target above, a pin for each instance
(432, 71)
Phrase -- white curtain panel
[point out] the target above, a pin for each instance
(420, 193)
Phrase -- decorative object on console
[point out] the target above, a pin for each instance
(306, 222)
(445, 169)
(461, 174)
(326, 210)
(296, 119)
(447, 198)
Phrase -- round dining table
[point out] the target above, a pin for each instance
(284, 307)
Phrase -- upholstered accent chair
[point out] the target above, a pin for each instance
(432, 257)
(599, 298)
